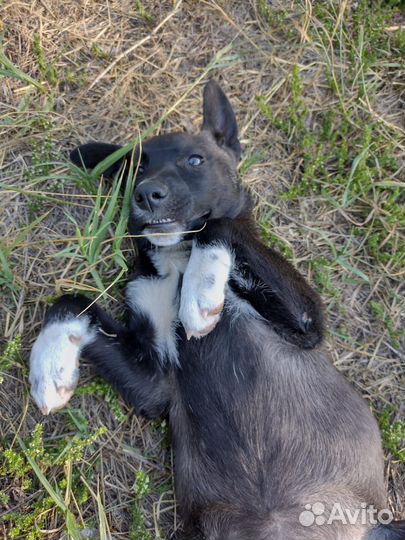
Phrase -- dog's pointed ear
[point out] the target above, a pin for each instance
(219, 118)
(87, 156)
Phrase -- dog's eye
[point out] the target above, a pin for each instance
(195, 160)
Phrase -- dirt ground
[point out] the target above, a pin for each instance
(319, 93)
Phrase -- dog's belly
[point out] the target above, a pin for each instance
(252, 427)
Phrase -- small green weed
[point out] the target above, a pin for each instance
(380, 313)
(274, 241)
(393, 433)
(250, 161)
(104, 390)
(323, 270)
(46, 69)
(11, 355)
(29, 525)
(29, 467)
(7, 280)
(138, 529)
(150, 19)
(99, 53)
(276, 20)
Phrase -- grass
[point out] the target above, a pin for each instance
(319, 92)
(393, 432)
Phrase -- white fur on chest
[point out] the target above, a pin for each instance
(169, 259)
(157, 299)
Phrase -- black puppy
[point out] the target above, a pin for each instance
(264, 429)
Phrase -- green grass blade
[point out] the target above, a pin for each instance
(13, 71)
(356, 162)
(103, 528)
(107, 162)
(352, 269)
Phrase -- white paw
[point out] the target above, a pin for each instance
(54, 362)
(203, 290)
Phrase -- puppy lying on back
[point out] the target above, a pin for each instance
(223, 337)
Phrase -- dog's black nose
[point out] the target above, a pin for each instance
(149, 195)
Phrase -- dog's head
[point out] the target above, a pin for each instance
(183, 180)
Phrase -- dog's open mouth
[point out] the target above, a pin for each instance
(165, 231)
(163, 225)
(168, 225)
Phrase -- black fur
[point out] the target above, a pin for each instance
(392, 531)
(262, 423)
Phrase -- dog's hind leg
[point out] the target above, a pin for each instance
(126, 357)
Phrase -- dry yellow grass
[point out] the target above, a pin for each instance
(297, 73)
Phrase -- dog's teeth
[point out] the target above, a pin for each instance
(159, 221)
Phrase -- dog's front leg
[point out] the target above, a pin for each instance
(130, 358)
(204, 286)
